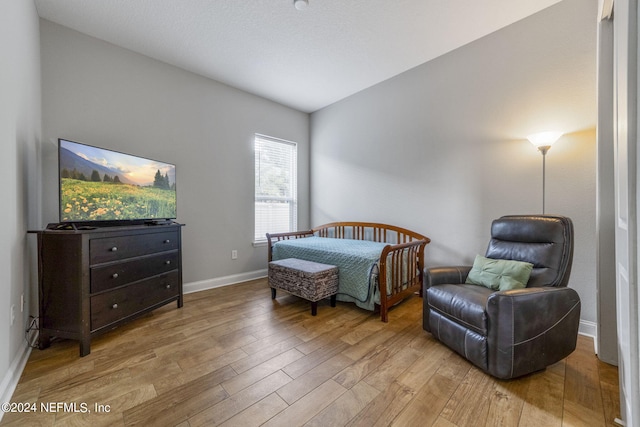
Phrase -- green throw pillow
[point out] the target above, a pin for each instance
(499, 274)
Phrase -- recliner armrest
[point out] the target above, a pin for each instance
(440, 276)
(445, 275)
(532, 321)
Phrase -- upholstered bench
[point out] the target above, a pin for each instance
(310, 280)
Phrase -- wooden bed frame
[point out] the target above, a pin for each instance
(405, 246)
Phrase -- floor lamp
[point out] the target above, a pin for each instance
(543, 141)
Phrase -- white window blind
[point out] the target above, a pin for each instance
(275, 186)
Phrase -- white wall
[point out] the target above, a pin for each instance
(442, 148)
(20, 115)
(100, 94)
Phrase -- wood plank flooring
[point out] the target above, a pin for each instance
(233, 357)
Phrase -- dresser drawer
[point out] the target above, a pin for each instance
(115, 248)
(110, 307)
(116, 274)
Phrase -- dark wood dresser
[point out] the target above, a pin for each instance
(93, 280)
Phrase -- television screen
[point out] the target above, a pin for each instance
(97, 184)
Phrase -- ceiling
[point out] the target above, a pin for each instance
(303, 59)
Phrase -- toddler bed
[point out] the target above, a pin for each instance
(379, 264)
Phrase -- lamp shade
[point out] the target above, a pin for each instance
(544, 139)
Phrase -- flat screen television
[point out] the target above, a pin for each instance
(105, 186)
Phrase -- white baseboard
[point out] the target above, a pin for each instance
(203, 285)
(589, 329)
(11, 378)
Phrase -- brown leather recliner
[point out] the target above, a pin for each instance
(510, 333)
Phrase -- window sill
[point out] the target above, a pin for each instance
(259, 243)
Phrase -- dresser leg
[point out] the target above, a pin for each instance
(333, 300)
(43, 341)
(314, 308)
(273, 293)
(85, 347)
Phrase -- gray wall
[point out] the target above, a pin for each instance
(100, 94)
(20, 136)
(442, 148)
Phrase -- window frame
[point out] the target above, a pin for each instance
(292, 200)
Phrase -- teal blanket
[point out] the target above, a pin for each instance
(357, 262)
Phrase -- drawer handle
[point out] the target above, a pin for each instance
(167, 262)
(114, 275)
(168, 286)
(167, 241)
(114, 249)
(114, 306)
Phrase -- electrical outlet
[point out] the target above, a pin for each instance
(13, 314)
(234, 254)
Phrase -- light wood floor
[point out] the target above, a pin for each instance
(232, 356)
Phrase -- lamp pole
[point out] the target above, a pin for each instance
(543, 149)
(543, 141)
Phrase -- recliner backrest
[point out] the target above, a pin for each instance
(546, 241)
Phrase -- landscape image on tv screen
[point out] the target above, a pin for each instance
(97, 184)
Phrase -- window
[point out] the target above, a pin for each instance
(275, 187)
